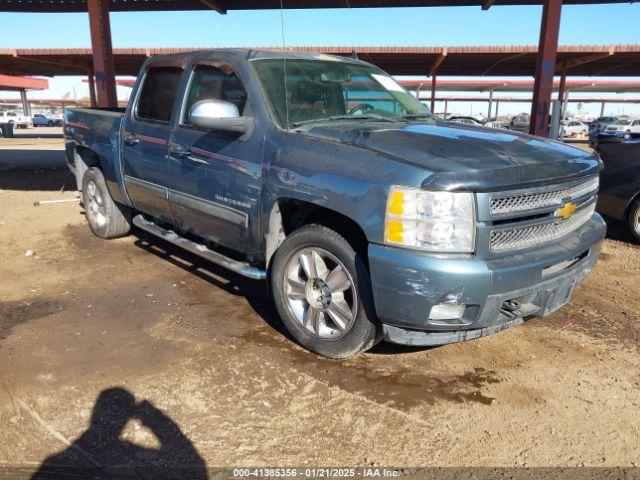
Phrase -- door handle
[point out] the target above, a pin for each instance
(179, 150)
(131, 140)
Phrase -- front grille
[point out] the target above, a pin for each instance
(530, 235)
(552, 197)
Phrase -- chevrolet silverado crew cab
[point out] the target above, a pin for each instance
(369, 217)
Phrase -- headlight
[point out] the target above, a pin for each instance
(433, 221)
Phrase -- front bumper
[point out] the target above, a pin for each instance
(406, 284)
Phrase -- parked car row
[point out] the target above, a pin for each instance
(37, 120)
(521, 123)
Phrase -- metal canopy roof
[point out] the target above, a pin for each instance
(224, 5)
(447, 85)
(582, 60)
(577, 86)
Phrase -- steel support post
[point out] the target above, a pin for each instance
(26, 109)
(104, 70)
(545, 67)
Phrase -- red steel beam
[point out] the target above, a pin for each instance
(545, 67)
(10, 82)
(105, 77)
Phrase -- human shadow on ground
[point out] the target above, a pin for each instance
(101, 452)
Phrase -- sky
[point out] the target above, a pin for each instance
(453, 26)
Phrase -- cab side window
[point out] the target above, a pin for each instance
(211, 83)
(158, 94)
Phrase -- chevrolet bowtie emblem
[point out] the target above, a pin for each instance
(566, 211)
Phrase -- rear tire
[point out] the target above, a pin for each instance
(107, 219)
(634, 220)
(322, 291)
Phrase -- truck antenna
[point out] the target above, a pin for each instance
(284, 62)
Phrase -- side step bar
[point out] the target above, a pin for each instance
(242, 268)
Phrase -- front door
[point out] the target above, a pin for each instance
(146, 138)
(214, 175)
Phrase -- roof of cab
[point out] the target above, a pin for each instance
(249, 54)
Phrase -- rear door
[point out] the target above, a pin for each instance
(146, 138)
(215, 176)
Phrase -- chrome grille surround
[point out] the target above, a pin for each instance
(514, 238)
(555, 196)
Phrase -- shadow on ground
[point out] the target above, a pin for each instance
(34, 170)
(46, 132)
(102, 451)
(255, 292)
(619, 230)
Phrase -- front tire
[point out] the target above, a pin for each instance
(634, 220)
(322, 292)
(107, 219)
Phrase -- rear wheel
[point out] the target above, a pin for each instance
(322, 291)
(107, 219)
(634, 219)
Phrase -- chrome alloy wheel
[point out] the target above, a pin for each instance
(95, 206)
(636, 221)
(320, 293)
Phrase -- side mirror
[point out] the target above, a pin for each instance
(218, 115)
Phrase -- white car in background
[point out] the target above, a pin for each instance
(16, 119)
(574, 128)
(42, 120)
(626, 126)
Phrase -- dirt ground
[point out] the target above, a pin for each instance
(224, 386)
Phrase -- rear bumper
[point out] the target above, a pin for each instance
(407, 284)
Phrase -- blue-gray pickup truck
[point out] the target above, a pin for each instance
(369, 217)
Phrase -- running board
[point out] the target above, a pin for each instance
(242, 268)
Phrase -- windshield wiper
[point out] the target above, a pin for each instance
(333, 118)
(416, 116)
(364, 116)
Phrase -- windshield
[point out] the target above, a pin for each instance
(325, 90)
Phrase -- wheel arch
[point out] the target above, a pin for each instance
(84, 158)
(630, 203)
(288, 214)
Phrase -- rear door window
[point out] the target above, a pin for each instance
(158, 94)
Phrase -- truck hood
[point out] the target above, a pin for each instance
(461, 157)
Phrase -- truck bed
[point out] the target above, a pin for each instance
(97, 130)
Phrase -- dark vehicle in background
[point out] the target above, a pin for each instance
(520, 123)
(467, 120)
(369, 217)
(620, 179)
(600, 124)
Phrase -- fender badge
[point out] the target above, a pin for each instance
(566, 211)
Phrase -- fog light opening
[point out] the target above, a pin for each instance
(446, 311)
